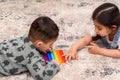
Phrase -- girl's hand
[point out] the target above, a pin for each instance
(93, 48)
(71, 55)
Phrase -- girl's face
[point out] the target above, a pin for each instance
(101, 30)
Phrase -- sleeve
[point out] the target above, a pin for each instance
(41, 71)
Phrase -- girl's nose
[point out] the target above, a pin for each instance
(96, 30)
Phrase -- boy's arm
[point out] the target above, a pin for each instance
(41, 71)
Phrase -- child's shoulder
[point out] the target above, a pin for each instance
(14, 40)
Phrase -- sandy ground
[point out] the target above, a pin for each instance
(73, 19)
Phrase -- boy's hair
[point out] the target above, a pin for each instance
(44, 29)
(107, 14)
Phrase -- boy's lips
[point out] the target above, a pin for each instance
(47, 51)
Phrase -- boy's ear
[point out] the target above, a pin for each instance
(38, 43)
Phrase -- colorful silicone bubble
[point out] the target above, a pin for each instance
(57, 55)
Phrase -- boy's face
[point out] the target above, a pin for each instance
(101, 29)
(45, 46)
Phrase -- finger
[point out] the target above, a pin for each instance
(92, 43)
(64, 55)
(77, 57)
(88, 46)
(68, 59)
(73, 57)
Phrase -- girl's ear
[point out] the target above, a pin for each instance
(114, 27)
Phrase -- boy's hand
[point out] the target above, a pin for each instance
(93, 48)
(71, 55)
(56, 62)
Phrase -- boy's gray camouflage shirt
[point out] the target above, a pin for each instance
(19, 55)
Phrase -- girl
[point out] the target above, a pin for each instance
(106, 19)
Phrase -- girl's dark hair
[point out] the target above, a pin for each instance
(107, 14)
(43, 28)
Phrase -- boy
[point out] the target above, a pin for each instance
(25, 53)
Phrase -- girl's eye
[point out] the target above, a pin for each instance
(99, 29)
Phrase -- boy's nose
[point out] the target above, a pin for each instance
(51, 49)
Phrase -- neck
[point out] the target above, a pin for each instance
(33, 42)
(111, 35)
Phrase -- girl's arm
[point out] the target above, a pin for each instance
(82, 42)
(72, 52)
(95, 49)
(115, 53)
